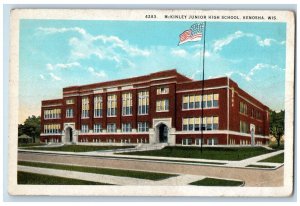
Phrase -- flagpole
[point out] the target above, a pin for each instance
(203, 62)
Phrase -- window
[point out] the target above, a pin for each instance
(243, 108)
(127, 104)
(187, 141)
(195, 123)
(112, 105)
(52, 128)
(52, 113)
(212, 141)
(143, 104)
(194, 101)
(162, 90)
(126, 127)
(97, 128)
(216, 100)
(215, 123)
(162, 105)
(69, 113)
(209, 123)
(98, 106)
(85, 107)
(84, 128)
(70, 101)
(143, 127)
(209, 100)
(243, 127)
(198, 141)
(111, 127)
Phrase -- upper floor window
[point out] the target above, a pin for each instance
(111, 127)
(196, 123)
(84, 128)
(97, 128)
(111, 105)
(243, 108)
(162, 90)
(194, 101)
(85, 107)
(162, 105)
(143, 102)
(69, 113)
(70, 101)
(143, 127)
(98, 106)
(52, 113)
(126, 127)
(52, 128)
(127, 104)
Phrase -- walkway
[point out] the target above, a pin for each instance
(252, 177)
(255, 160)
(180, 180)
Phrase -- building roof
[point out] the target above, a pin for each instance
(133, 80)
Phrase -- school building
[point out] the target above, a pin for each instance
(162, 107)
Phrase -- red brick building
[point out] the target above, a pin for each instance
(160, 107)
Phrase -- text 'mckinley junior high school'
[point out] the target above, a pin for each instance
(161, 107)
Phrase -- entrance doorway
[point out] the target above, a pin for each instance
(69, 134)
(163, 133)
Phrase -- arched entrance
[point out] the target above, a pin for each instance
(69, 134)
(163, 133)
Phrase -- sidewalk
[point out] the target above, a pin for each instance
(110, 179)
(223, 163)
(255, 160)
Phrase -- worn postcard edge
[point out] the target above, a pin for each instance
(138, 15)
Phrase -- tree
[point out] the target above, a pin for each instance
(31, 127)
(277, 125)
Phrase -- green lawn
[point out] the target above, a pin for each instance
(215, 153)
(106, 171)
(216, 182)
(274, 146)
(78, 148)
(261, 166)
(38, 179)
(275, 159)
(31, 144)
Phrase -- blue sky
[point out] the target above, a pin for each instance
(55, 54)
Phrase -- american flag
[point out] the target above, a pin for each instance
(193, 34)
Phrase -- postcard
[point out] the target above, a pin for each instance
(151, 102)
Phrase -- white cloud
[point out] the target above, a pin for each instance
(96, 73)
(258, 67)
(110, 48)
(42, 77)
(51, 67)
(179, 52)
(219, 44)
(265, 42)
(54, 77)
(52, 30)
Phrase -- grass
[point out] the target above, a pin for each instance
(261, 166)
(275, 159)
(38, 179)
(106, 171)
(78, 148)
(214, 153)
(216, 182)
(275, 146)
(31, 144)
